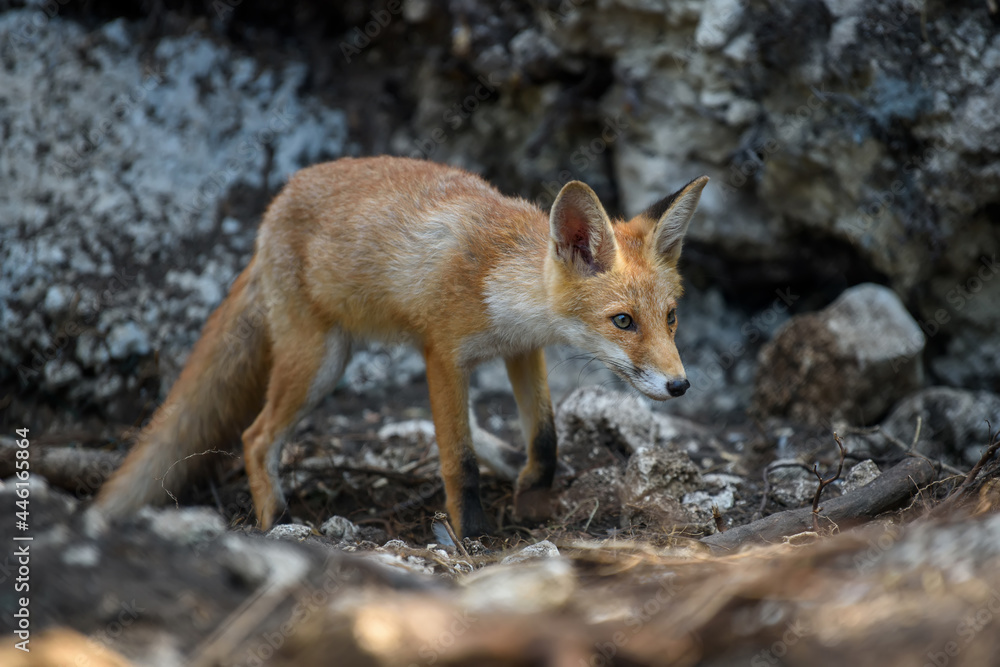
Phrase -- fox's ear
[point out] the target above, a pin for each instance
(581, 230)
(671, 216)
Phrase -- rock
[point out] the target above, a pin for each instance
(395, 545)
(959, 547)
(292, 532)
(417, 431)
(596, 427)
(245, 559)
(187, 525)
(859, 475)
(851, 361)
(543, 549)
(126, 339)
(398, 554)
(377, 368)
(718, 490)
(953, 423)
(533, 586)
(83, 554)
(719, 19)
(57, 299)
(656, 479)
(793, 486)
(147, 148)
(340, 529)
(59, 374)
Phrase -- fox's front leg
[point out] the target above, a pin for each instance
(448, 384)
(531, 391)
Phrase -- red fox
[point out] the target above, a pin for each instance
(400, 249)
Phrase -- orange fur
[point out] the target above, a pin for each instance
(399, 249)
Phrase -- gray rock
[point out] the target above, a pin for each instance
(851, 361)
(861, 474)
(340, 529)
(543, 549)
(656, 480)
(395, 545)
(533, 586)
(187, 525)
(953, 423)
(719, 19)
(960, 547)
(289, 531)
(126, 339)
(57, 299)
(793, 486)
(60, 374)
(141, 153)
(83, 554)
(378, 367)
(719, 490)
(415, 431)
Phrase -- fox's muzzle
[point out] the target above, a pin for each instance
(677, 387)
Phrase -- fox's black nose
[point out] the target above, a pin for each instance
(677, 387)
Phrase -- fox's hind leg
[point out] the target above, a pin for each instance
(307, 365)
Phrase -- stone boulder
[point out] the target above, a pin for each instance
(850, 361)
(656, 480)
(952, 422)
(597, 427)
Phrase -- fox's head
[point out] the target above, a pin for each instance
(617, 283)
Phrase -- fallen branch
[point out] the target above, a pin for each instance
(889, 491)
(79, 471)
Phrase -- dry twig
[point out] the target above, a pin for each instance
(823, 483)
(720, 525)
(443, 518)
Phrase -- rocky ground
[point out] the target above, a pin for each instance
(673, 543)
(840, 279)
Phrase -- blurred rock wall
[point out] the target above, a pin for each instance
(847, 140)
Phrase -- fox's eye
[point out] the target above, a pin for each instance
(672, 317)
(622, 321)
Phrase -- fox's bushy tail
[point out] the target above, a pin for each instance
(217, 395)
